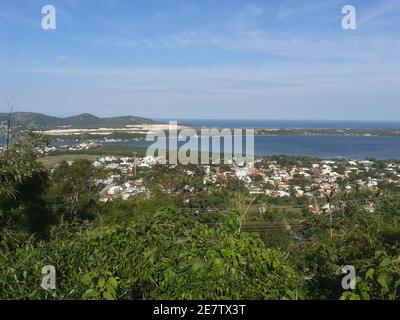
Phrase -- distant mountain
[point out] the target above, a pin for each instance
(25, 120)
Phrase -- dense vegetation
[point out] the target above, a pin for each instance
(155, 248)
(24, 120)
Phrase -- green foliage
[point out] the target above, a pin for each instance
(156, 249)
(73, 191)
(167, 256)
(22, 181)
(102, 286)
(380, 282)
(368, 241)
(25, 120)
(19, 162)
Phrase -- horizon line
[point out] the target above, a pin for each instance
(206, 118)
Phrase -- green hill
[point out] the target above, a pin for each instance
(23, 120)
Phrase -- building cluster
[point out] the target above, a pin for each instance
(122, 181)
(75, 147)
(78, 146)
(318, 179)
(326, 177)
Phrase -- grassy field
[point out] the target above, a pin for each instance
(92, 154)
(51, 161)
(106, 150)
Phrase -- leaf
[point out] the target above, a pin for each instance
(90, 293)
(385, 262)
(292, 294)
(113, 282)
(364, 296)
(384, 279)
(111, 290)
(370, 273)
(225, 253)
(275, 264)
(355, 296)
(108, 296)
(101, 282)
(87, 279)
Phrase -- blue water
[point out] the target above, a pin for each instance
(330, 146)
(350, 147)
(354, 147)
(290, 124)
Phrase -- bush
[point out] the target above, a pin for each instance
(168, 256)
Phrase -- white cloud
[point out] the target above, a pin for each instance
(283, 91)
(61, 58)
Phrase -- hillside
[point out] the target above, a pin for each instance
(23, 120)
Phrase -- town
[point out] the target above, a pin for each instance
(314, 182)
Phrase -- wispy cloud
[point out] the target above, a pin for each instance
(278, 59)
(244, 32)
(310, 8)
(15, 18)
(380, 10)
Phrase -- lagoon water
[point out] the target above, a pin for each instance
(354, 147)
(351, 147)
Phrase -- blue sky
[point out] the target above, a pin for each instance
(202, 59)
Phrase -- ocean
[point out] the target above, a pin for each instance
(288, 124)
